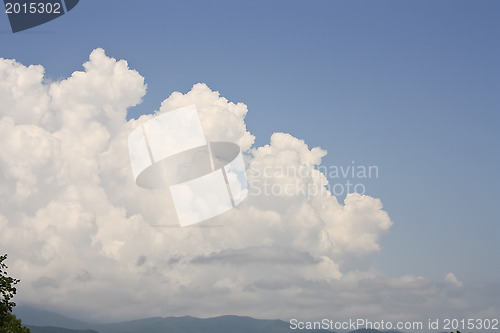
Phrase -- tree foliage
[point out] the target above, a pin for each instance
(13, 325)
(7, 289)
(8, 322)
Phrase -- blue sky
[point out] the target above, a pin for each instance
(409, 86)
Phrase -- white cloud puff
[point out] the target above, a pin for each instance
(221, 120)
(452, 279)
(76, 227)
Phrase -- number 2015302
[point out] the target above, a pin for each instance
(471, 324)
(33, 8)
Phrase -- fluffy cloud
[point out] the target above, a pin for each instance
(452, 279)
(79, 232)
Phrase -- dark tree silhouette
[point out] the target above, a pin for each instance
(7, 289)
(8, 322)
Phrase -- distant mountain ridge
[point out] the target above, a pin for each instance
(38, 317)
(51, 329)
(42, 321)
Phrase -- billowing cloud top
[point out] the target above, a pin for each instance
(79, 232)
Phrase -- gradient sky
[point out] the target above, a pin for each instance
(409, 86)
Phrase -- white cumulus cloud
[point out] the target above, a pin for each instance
(452, 279)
